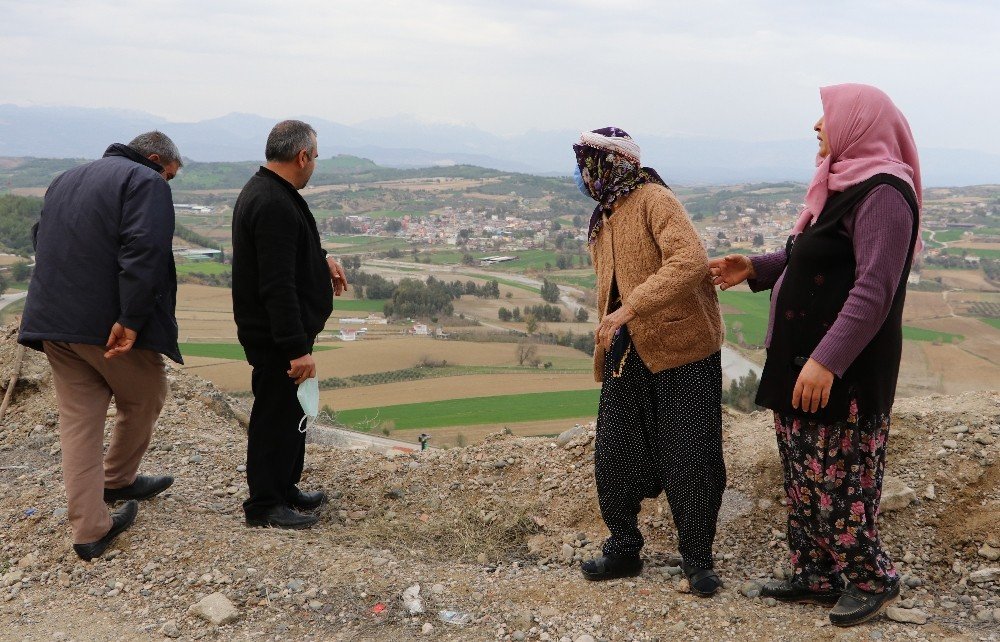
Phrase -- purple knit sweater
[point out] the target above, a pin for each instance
(878, 228)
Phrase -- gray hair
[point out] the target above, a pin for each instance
(287, 139)
(156, 142)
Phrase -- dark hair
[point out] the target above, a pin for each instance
(287, 139)
(156, 142)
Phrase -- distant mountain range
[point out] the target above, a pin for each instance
(76, 132)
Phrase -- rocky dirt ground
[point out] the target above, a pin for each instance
(489, 535)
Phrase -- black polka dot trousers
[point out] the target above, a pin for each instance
(661, 432)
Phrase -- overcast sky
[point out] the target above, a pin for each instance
(746, 69)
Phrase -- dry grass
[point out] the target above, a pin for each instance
(458, 387)
(458, 533)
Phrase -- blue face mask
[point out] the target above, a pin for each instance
(578, 177)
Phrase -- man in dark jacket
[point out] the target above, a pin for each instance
(101, 306)
(283, 286)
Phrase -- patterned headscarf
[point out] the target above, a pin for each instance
(609, 163)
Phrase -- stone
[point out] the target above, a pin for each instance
(437, 589)
(950, 444)
(896, 495)
(518, 636)
(522, 620)
(750, 589)
(568, 552)
(985, 575)
(569, 435)
(906, 616)
(986, 551)
(295, 585)
(929, 493)
(584, 638)
(427, 628)
(170, 630)
(984, 615)
(960, 429)
(216, 609)
(985, 439)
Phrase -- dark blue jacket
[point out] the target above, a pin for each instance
(103, 254)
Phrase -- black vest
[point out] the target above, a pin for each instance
(819, 275)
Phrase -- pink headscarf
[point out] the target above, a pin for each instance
(868, 135)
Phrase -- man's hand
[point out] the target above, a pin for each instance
(337, 275)
(302, 368)
(120, 341)
(730, 270)
(812, 388)
(610, 324)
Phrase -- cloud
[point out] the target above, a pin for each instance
(748, 70)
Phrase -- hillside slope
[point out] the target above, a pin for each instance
(494, 531)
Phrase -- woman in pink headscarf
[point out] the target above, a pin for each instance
(834, 345)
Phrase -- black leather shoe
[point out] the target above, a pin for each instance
(121, 519)
(144, 487)
(282, 517)
(611, 567)
(856, 606)
(796, 593)
(308, 501)
(703, 582)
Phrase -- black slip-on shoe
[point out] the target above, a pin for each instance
(786, 591)
(282, 517)
(856, 606)
(121, 519)
(144, 487)
(308, 501)
(703, 582)
(610, 567)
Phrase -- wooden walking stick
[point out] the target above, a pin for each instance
(13, 381)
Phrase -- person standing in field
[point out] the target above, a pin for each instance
(834, 345)
(101, 306)
(657, 354)
(283, 287)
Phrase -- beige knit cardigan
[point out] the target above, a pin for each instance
(653, 251)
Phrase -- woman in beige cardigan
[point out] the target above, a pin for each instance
(659, 425)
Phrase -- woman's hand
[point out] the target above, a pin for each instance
(610, 324)
(730, 270)
(812, 388)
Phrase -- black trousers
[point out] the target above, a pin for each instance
(661, 432)
(275, 447)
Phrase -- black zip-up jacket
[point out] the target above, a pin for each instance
(103, 255)
(282, 293)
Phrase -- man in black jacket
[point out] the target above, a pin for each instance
(283, 286)
(101, 306)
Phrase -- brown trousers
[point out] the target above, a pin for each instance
(85, 382)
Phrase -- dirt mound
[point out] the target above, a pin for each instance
(493, 531)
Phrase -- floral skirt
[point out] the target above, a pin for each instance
(833, 483)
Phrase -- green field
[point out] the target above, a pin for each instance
(511, 409)
(983, 254)
(358, 305)
(921, 334)
(991, 321)
(225, 350)
(203, 267)
(949, 235)
(755, 309)
(588, 282)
